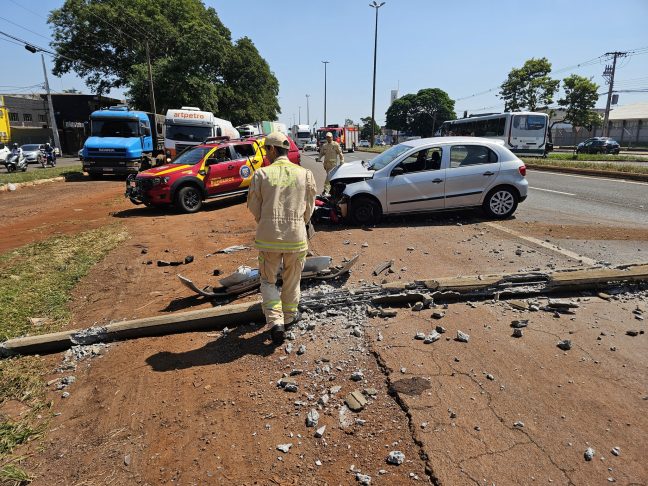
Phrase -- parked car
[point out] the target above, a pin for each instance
(310, 146)
(431, 174)
(599, 145)
(209, 170)
(30, 152)
(293, 152)
(4, 151)
(81, 153)
(364, 144)
(380, 143)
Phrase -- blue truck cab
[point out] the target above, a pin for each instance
(122, 141)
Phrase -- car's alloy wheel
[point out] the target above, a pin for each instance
(189, 199)
(500, 203)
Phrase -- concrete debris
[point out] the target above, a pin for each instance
(233, 249)
(518, 304)
(80, 352)
(335, 389)
(296, 372)
(519, 424)
(438, 315)
(318, 462)
(65, 394)
(396, 457)
(616, 451)
(379, 337)
(561, 304)
(127, 460)
(357, 332)
(291, 388)
(312, 418)
(632, 333)
(382, 267)
(65, 382)
(440, 329)
(11, 187)
(365, 245)
(301, 350)
(290, 336)
(418, 307)
(589, 454)
(357, 376)
(363, 479)
(284, 382)
(432, 337)
(288, 348)
(284, 447)
(490, 377)
(565, 344)
(462, 337)
(39, 321)
(370, 392)
(90, 335)
(323, 400)
(517, 333)
(319, 433)
(420, 336)
(355, 401)
(344, 417)
(519, 323)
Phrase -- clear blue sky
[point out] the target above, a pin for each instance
(462, 47)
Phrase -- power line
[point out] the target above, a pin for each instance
(25, 28)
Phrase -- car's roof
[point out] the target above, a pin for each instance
(446, 140)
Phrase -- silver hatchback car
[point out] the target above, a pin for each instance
(431, 174)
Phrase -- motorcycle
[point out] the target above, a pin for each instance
(46, 159)
(16, 161)
(326, 211)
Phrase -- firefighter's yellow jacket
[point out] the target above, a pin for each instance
(282, 198)
(330, 151)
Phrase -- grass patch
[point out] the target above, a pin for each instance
(611, 167)
(374, 150)
(36, 280)
(40, 173)
(608, 157)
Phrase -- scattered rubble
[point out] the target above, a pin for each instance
(363, 479)
(616, 451)
(565, 344)
(462, 337)
(589, 454)
(518, 333)
(319, 433)
(438, 315)
(357, 376)
(432, 337)
(519, 323)
(312, 418)
(355, 401)
(396, 457)
(284, 447)
(233, 249)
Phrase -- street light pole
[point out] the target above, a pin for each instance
(299, 115)
(307, 111)
(57, 142)
(325, 63)
(375, 5)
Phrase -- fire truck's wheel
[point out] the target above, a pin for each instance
(189, 199)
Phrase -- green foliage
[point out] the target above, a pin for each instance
(581, 95)
(578, 164)
(365, 130)
(193, 58)
(529, 87)
(421, 113)
(38, 174)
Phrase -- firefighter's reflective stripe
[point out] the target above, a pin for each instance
(281, 245)
(272, 305)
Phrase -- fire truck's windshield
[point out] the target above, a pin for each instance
(191, 156)
(187, 133)
(321, 135)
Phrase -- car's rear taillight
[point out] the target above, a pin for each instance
(522, 170)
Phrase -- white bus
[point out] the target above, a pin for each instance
(523, 132)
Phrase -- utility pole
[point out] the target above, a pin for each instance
(608, 74)
(57, 142)
(307, 111)
(375, 5)
(325, 63)
(150, 75)
(300, 115)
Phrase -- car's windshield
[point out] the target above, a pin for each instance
(115, 127)
(188, 133)
(30, 148)
(191, 156)
(388, 156)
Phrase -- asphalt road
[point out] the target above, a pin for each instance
(590, 204)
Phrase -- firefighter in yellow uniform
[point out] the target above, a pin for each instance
(281, 198)
(330, 151)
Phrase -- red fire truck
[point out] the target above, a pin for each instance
(346, 136)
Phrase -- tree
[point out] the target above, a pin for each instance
(365, 129)
(421, 113)
(529, 87)
(581, 94)
(193, 59)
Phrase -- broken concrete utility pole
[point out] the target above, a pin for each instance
(393, 294)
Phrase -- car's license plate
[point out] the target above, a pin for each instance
(132, 184)
(107, 169)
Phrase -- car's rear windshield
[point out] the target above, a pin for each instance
(191, 156)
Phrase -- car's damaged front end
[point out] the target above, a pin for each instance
(346, 179)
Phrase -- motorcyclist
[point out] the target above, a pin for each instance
(51, 154)
(15, 150)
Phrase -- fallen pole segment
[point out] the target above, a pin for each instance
(394, 294)
(197, 320)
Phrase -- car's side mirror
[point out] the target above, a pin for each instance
(203, 172)
(396, 171)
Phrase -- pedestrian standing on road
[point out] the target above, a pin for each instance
(330, 150)
(281, 198)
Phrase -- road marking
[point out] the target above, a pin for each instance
(551, 190)
(544, 244)
(590, 177)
